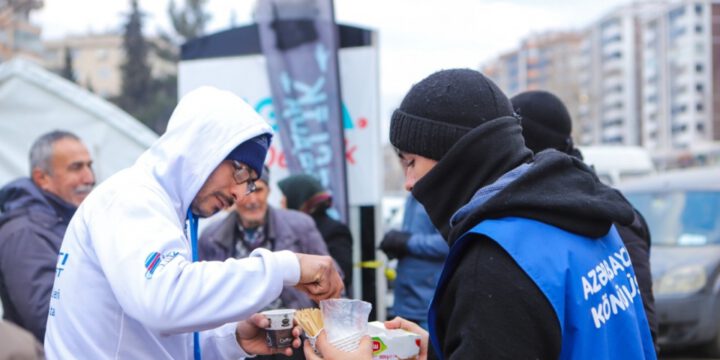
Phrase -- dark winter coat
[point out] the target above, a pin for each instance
(636, 238)
(339, 242)
(32, 226)
(491, 308)
(286, 230)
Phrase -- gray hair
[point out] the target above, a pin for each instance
(41, 151)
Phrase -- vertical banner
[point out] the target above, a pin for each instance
(300, 43)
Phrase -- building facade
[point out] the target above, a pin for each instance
(97, 60)
(18, 36)
(548, 61)
(612, 61)
(646, 73)
(681, 77)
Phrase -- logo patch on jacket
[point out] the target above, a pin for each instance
(156, 260)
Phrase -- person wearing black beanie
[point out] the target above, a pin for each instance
(305, 193)
(547, 125)
(545, 120)
(534, 256)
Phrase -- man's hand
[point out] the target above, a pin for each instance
(318, 277)
(407, 325)
(329, 352)
(394, 244)
(250, 334)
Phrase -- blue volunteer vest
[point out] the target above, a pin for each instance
(590, 284)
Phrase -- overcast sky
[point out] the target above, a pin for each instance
(417, 37)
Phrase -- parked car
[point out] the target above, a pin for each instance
(682, 209)
(616, 163)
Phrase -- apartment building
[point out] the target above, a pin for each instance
(611, 66)
(681, 77)
(18, 36)
(97, 60)
(548, 61)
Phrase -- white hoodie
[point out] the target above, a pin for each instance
(126, 287)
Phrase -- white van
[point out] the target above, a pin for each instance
(615, 163)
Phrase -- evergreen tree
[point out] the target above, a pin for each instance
(136, 76)
(190, 21)
(68, 72)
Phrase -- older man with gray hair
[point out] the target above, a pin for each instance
(36, 211)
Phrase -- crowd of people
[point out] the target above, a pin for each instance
(510, 246)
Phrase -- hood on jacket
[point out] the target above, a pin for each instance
(205, 127)
(556, 189)
(22, 195)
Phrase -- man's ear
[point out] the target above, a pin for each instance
(40, 178)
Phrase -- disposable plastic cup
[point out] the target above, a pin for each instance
(348, 343)
(313, 340)
(279, 333)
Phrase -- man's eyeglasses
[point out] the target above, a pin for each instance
(242, 174)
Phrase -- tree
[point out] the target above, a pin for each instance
(136, 74)
(190, 21)
(67, 71)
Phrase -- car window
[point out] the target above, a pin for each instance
(680, 218)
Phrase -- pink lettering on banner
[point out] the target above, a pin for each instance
(276, 157)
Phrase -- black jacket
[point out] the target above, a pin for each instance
(636, 238)
(32, 226)
(491, 308)
(339, 243)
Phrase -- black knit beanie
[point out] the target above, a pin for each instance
(298, 189)
(442, 108)
(545, 120)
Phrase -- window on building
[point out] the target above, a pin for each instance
(700, 127)
(613, 55)
(699, 107)
(676, 13)
(699, 87)
(610, 23)
(699, 68)
(676, 32)
(698, 29)
(612, 123)
(618, 139)
(698, 9)
(678, 109)
(678, 128)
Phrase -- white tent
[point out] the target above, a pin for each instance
(34, 101)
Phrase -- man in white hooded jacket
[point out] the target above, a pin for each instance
(125, 285)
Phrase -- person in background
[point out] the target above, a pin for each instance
(305, 193)
(421, 252)
(255, 224)
(546, 125)
(127, 283)
(36, 211)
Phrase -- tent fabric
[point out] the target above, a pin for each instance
(34, 101)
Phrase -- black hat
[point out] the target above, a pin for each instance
(442, 108)
(545, 120)
(300, 188)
